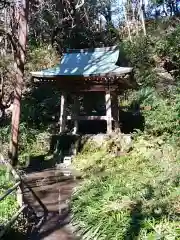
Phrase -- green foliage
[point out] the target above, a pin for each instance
(42, 56)
(32, 142)
(9, 205)
(161, 114)
(169, 48)
(39, 107)
(148, 53)
(134, 196)
(5, 63)
(139, 55)
(130, 197)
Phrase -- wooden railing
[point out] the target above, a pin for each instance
(17, 188)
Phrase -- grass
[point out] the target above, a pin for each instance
(130, 197)
(9, 205)
(135, 196)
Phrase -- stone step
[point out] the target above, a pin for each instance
(53, 187)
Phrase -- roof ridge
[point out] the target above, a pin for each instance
(99, 49)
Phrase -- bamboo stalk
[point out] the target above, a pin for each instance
(9, 191)
(17, 186)
(9, 166)
(13, 219)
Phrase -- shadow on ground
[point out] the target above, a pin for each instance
(135, 223)
(14, 234)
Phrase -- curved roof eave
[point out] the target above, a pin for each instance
(86, 63)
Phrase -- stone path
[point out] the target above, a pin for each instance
(48, 193)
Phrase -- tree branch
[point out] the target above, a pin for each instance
(4, 3)
(79, 4)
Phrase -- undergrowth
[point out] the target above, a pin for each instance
(9, 205)
(33, 127)
(129, 197)
(136, 195)
(132, 196)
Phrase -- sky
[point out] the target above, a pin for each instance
(117, 11)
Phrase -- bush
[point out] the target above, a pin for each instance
(139, 55)
(161, 113)
(159, 49)
(40, 57)
(38, 107)
(134, 196)
(130, 197)
(9, 205)
(169, 49)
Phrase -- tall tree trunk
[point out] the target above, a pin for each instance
(19, 35)
(5, 28)
(177, 8)
(164, 8)
(173, 4)
(143, 16)
(127, 22)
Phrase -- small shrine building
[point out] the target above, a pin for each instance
(89, 70)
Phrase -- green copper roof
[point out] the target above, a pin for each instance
(95, 62)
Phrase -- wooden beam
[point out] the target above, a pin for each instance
(75, 113)
(115, 110)
(108, 112)
(10, 190)
(81, 118)
(62, 118)
(12, 220)
(74, 85)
